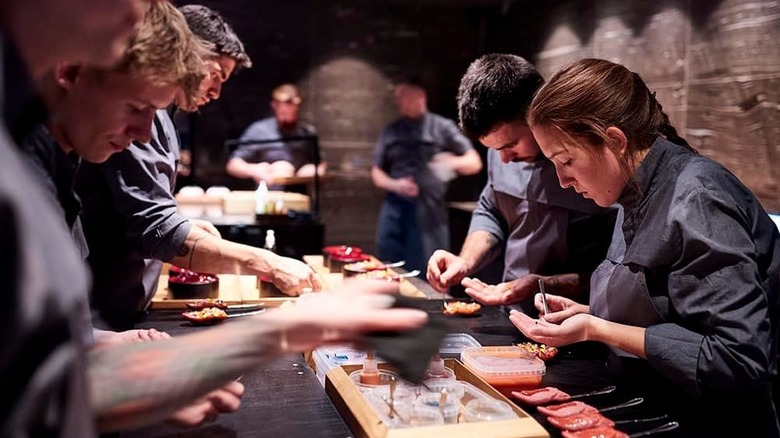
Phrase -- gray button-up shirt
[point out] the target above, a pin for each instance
(297, 152)
(547, 229)
(130, 216)
(696, 262)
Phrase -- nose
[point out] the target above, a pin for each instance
(140, 127)
(215, 90)
(564, 180)
(506, 156)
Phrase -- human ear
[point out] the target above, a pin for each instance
(66, 74)
(617, 140)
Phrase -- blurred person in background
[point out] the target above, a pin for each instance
(282, 158)
(415, 158)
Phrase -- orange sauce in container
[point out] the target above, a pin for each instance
(505, 368)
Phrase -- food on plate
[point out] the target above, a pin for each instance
(461, 308)
(566, 409)
(206, 303)
(209, 315)
(541, 396)
(581, 421)
(596, 432)
(542, 351)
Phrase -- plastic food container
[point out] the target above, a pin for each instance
(327, 358)
(505, 368)
(431, 402)
(454, 343)
(487, 410)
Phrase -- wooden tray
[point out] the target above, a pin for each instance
(233, 289)
(332, 280)
(365, 423)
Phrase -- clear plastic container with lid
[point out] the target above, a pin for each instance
(505, 368)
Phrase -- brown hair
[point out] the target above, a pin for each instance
(585, 98)
(165, 51)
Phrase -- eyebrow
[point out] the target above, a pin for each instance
(555, 155)
(508, 144)
(150, 104)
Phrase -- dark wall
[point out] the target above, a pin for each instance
(343, 55)
(715, 65)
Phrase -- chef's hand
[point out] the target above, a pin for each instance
(406, 187)
(358, 308)
(206, 409)
(292, 276)
(445, 269)
(105, 338)
(560, 308)
(502, 294)
(571, 330)
(206, 226)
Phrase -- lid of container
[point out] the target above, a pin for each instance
(502, 361)
(454, 343)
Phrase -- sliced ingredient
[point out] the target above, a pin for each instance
(541, 396)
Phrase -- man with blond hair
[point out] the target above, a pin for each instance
(130, 214)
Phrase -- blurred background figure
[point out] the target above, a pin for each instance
(287, 157)
(415, 159)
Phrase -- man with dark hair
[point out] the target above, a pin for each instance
(130, 215)
(415, 158)
(548, 233)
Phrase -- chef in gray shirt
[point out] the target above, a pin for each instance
(547, 232)
(415, 158)
(688, 299)
(130, 215)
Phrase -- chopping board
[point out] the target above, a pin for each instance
(333, 280)
(233, 289)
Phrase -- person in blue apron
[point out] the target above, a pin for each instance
(415, 158)
(687, 299)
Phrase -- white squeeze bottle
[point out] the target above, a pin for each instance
(270, 241)
(261, 198)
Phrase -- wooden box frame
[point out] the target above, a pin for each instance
(365, 423)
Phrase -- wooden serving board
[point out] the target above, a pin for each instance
(365, 423)
(233, 289)
(332, 280)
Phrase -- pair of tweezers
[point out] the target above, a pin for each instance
(544, 296)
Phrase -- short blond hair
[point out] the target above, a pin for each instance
(165, 51)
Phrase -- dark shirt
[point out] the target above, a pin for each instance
(43, 350)
(696, 262)
(296, 152)
(405, 148)
(547, 229)
(55, 170)
(130, 217)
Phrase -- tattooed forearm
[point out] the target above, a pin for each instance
(140, 383)
(183, 250)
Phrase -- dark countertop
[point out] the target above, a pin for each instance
(284, 398)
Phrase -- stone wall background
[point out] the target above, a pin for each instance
(714, 64)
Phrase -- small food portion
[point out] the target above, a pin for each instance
(461, 308)
(365, 266)
(596, 432)
(567, 409)
(542, 351)
(206, 303)
(581, 421)
(188, 284)
(206, 316)
(541, 396)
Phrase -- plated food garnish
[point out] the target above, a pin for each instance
(208, 315)
(541, 396)
(581, 421)
(206, 303)
(461, 308)
(542, 351)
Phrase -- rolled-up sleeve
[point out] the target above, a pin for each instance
(715, 288)
(454, 139)
(486, 216)
(139, 179)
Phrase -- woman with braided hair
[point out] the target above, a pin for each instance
(687, 299)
